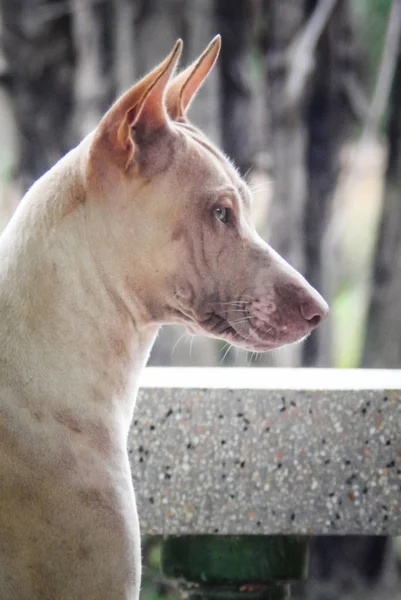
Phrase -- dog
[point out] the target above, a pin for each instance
(145, 222)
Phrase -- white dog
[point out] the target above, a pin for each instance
(144, 223)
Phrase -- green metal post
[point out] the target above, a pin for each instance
(248, 567)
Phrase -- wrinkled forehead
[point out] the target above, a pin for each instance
(202, 162)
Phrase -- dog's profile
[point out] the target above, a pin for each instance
(145, 222)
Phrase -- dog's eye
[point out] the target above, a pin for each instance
(221, 213)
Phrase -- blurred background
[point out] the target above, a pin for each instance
(306, 100)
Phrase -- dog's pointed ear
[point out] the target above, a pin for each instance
(142, 109)
(182, 89)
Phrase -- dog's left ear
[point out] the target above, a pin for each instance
(136, 116)
(182, 89)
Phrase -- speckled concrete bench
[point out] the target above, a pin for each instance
(240, 452)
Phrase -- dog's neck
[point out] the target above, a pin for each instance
(59, 303)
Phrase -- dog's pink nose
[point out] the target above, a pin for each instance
(314, 310)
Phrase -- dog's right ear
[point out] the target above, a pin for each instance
(137, 114)
(183, 88)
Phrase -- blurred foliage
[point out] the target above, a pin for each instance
(348, 340)
(373, 16)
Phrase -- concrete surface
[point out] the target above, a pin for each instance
(266, 451)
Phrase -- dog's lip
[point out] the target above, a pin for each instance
(226, 331)
(252, 341)
(253, 344)
(260, 344)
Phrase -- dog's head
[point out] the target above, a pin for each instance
(173, 219)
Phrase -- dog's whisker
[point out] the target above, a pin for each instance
(177, 342)
(231, 303)
(235, 322)
(223, 347)
(248, 361)
(229, 346)
(247, 172)
(191, 344)
(263, 187)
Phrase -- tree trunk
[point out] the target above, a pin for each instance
(91, 87)
(39, 51)
(345, 567)
(9, 189)
(383, 328)
(285, 18)
(327, 121)
(234, 20)
(125, 68)
(158, 25)
(288, 137)
(200, 28)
